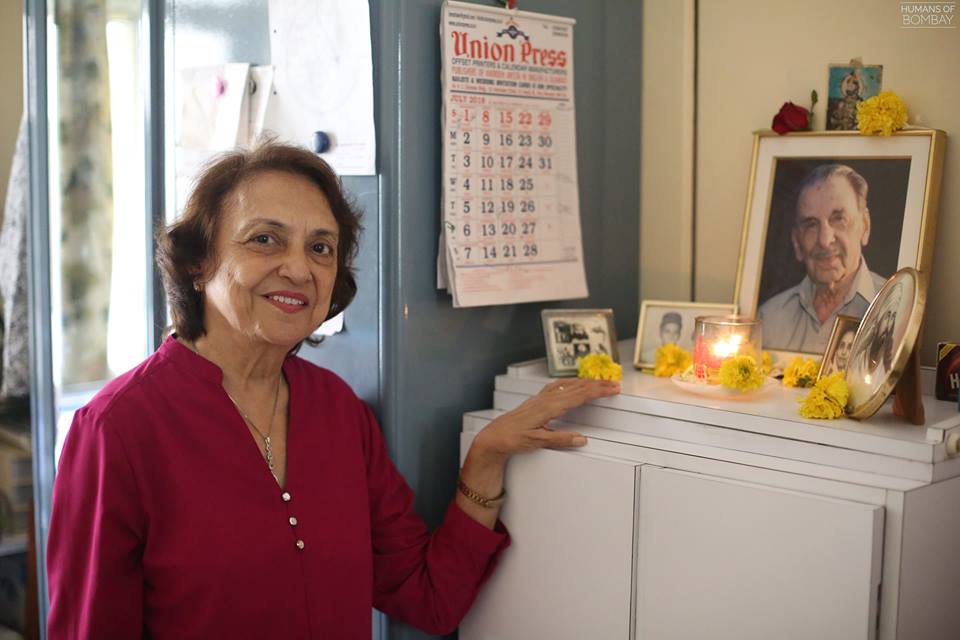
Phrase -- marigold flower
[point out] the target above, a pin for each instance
(818, 405)
(835, 387)
(766, 363)
(882, 114)
(598, 366)
(800, 372)
(671, 359)
(827, 399)
(741, 373)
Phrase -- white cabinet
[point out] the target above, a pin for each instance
(685, 519)
(725, 559)
(571, 516)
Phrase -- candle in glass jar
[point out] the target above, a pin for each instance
(721, 337)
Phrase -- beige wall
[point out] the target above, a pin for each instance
(755, 54)
(11, 81)
(666, 159)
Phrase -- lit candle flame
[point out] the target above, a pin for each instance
(729, 347)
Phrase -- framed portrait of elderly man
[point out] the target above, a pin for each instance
(829, 217)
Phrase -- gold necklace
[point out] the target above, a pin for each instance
(267, 442)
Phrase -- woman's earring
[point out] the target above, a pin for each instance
(197, 287)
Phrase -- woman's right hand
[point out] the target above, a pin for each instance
(527, 427)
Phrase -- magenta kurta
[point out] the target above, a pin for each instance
(166, 522)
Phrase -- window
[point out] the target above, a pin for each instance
(98, 216)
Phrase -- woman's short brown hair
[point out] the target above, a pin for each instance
(184, 246)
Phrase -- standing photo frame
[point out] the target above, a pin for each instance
(829, 210)
(885, 342)
(569, 334)
(837, 355)
(663, 321)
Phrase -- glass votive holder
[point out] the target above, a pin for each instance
(716, 338)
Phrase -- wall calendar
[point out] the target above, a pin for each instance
(510, 204)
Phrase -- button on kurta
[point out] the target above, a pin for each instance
(286, 497)
(293, 521)
(300, 544)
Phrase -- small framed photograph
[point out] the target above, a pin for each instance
(847, 87)
(573, 333)
(829, 217)
(665, 321)
(837, 356)
(885, 341)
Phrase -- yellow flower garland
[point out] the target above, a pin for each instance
(671, 359)
(741, 373)
(882, 114)
(598, 366)
(766, 363)
(800, 372)
(835, 387)
(827, 399)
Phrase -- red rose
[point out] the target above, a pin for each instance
(791, 117)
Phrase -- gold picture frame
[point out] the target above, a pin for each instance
(843, 327)
(903, 173)
(885, 341)
(686, 311)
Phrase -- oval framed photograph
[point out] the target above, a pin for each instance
(884, 341)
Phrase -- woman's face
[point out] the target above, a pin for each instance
(275, 261)
(842, 355)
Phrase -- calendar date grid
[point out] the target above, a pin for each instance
(501, 187)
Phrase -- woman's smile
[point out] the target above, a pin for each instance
(287, 301)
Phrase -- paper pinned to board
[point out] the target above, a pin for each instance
(219, 108)
(210, 106)
(323, 79)
(259, 87)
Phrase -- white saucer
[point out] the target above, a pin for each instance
(718, 390)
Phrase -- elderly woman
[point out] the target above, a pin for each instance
(226, 488)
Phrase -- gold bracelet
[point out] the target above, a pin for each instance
(477, 498)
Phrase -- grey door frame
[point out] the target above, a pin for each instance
(43, 400)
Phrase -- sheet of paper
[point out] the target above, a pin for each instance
(511, 212)
(442, 282)
(213, 115)
(209, 106)
(332, 326)
(323, 79)
(259, 88)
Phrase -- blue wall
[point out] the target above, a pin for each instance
(438, 362)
